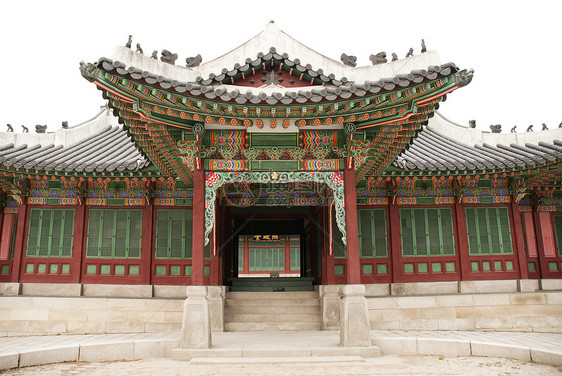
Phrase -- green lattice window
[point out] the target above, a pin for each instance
(50, 233)
(114, 233)
(295, 259)
(489, 231)
(558, 231)
(427, 232)
(267, 259)
(174, 234)
(372, 233)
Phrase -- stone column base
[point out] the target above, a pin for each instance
(215, 298)
(196, 325)
(330, 300)
(355, 329)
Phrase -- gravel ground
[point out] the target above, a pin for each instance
(385, 365)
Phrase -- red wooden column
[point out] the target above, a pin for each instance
(246, 261)
(353, 264)
(198, 243)
(287, 254)
(147, 241)
(216, 245)
(6, 239)
(78, 236)
(19, 240)
(329, 262)
(462, 237)
(540, 242)
(395, 245)
(519, 242)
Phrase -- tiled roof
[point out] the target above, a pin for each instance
(333, 89)
(434, 151)
(101, 147)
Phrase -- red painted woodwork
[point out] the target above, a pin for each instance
(6, 240)
(543, 267)
(395, 243)
(19, 246)
(530, 236)
(461, 240)
(551, 261)
(353, 269)
(519, 245)
(198, 234)
(147, 243)
(262, 73)
(80, 231)
(375, 276)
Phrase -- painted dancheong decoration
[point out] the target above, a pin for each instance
(355, 162)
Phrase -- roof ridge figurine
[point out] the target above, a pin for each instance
(423, 48)
(191, 62)
(496, 128)
(11, 129)
(544, 127)
(129, 42)
(410, 52)
(513, 129)
(530, 128)
(348, 60)
(24, 129)
(379, 58)
(40, 128)
(394, 56)
(139, 49)
(168, 57)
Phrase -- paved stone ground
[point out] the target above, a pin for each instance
(385, 365)
(541, 347)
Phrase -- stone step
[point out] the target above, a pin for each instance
(271, 302)
(278, 359)
(249, 309)
(271, 282)
(270, 317)
(271, 326)
(271, 288)
(273, 295)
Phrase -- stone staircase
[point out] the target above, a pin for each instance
(272, 284)
(272, 311)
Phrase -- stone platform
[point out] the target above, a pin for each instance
(306, 346)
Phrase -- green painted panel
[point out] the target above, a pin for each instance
(29, 268)
(497, 265)
(175, 270)
(509, 265)
(65, 269)
(450, 266)
(295, 259)
(206, 270)
(552, 266)
(5, 269)
(119, 269)
(266, 165)
(474, 266)
(422, 267)
(133, 269)
(105, 269)
(382, 269)
(436, 267)
(427, 232)
(50, 233)
(489, 230)
(368, 269)
(273, 139)
(373, 240)
(408, 268)
(160, 270)
(188, 270)
(53, 268)
(91, 269)
(114, 233)
(173, 238)
(338, 269)
(531, 266)
(41, 268)
(486, 266)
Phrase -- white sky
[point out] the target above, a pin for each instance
(515, 48)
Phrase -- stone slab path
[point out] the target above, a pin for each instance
(267, 346)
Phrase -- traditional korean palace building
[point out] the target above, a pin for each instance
(275, 159)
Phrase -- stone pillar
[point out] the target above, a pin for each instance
(215, 299)
(196, 325)
(330, 307)
(355, 330)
